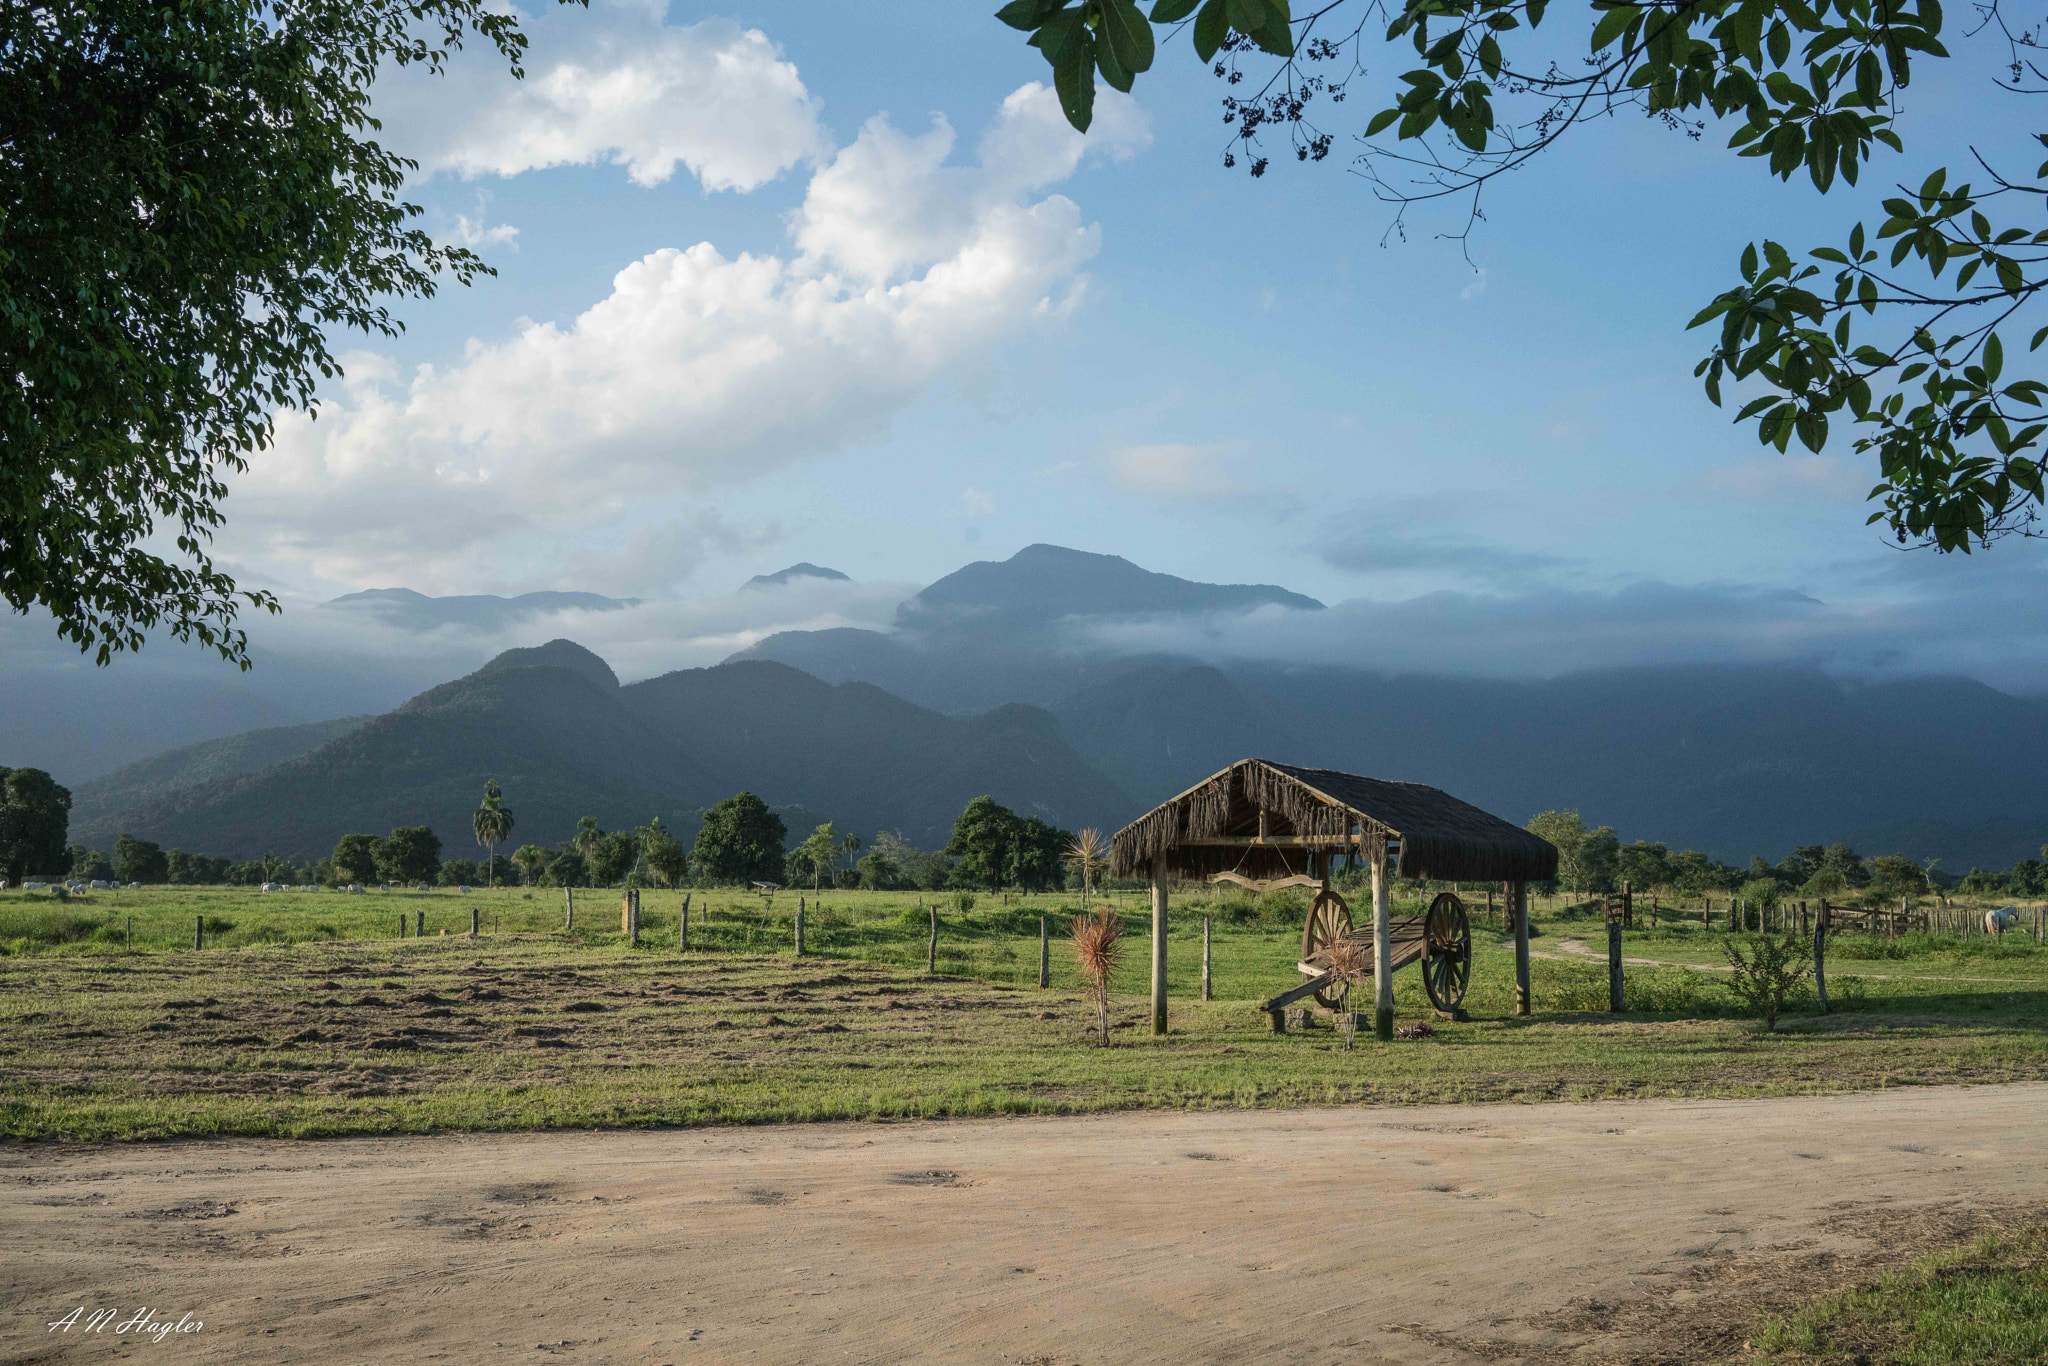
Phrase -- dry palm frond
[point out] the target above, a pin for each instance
(1098, 948)
(1088, 852)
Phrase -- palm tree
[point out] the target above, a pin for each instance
(493, 824)
(531, 858)
(1089, 852)
(586, 836)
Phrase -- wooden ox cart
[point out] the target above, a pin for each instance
(1266, 825)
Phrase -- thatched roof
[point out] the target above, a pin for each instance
(1427, 833)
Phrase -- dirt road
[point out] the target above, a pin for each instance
(1312, 1236)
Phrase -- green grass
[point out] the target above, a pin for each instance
(306, 1014)
(1985, 1303)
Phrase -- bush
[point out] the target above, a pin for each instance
(1777, 968)
(963, 901)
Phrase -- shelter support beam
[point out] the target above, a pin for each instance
(1518, 908)
(1158, 954)
(1382, 954)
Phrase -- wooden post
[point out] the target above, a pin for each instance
(1518, 907)
(1044, 954)
(474, 918)
(1382, 949)
(1628, 906)
(401, 924)
(1205, 958)
(1820, 966)
(683, 932)
(931, 953)
(129, 942)
(799, 927)
(633, 934)
(1614, 965)
(569, 910)
(198, 931)
(1489, 904)
(1158, 954)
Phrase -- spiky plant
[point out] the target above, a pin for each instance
(1098, 948)
(1347, 961)
(1089, 852)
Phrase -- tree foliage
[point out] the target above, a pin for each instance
(137, 860)
(1875, 329)
(35, 818)
(192, 202)
(740, 841)
(411, 853)
(355, 858)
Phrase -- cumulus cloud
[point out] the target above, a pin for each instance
(699, 370)
(614, 84)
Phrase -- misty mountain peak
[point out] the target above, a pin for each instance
(803, 569)
(1042, 583)
(556, 654)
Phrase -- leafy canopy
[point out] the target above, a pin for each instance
(191, 200)
(1876, 330)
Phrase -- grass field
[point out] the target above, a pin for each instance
(306, 1014)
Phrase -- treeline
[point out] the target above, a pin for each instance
(1595, 860)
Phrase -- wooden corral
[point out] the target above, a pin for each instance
(1263, 825)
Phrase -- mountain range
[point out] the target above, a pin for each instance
(997, 679)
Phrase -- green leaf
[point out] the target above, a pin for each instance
(1113, 70)
(1212, 26)
(1247, 15)
(1379, 122)
(1027, 14)
(1611, 25)
(1074, 81)
(1994, 358)
(1173, 11)
(1129, 34)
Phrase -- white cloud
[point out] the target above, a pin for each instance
(1173, 470)
(1477, 287)
(613, 84)
(1801, 475)
(472, 233)
(977, 503)
(699, 370)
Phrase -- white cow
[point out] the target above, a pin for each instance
(1998, 921)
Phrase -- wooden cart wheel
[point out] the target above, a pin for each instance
(1329, 919)
(1447, 961)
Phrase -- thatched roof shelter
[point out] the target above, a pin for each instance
(1263, 820)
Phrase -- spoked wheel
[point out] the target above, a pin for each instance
(1447, 961)
(1329, 920)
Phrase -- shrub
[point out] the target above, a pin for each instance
(963, 901)
(1098, 947)
(1775, 969)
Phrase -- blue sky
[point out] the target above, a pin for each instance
(747, 314)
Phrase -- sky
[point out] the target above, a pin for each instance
(811, 281)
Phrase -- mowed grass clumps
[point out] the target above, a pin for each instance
(545, 1030)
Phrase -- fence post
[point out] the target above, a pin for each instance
(474, 915)
(419, 925)
(1628, 905)
(129, 942)
(1044, 954)
(683, 933)
(1518, 912)
(198, 931)
(799, 927)
(1614, 959)
(1820, 966)
(569, 910)
(401, 924)
(931, 952)
(1205, 957)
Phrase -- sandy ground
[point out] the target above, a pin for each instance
(1313, 1236)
